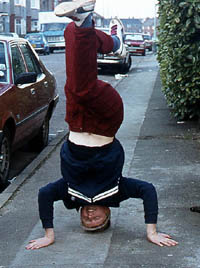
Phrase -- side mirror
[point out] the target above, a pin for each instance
(26, 78)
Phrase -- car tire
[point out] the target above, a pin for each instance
(39, 142)
(144, 53)
(5, 156)
(126, 66)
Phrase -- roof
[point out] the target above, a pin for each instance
(10, 38)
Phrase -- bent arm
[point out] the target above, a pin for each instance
(146, 191)
(47, 196)
(133, 188)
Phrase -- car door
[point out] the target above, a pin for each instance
(25, 97)
(42, 93)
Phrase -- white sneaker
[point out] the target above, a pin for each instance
(77, 10)
(116, 27)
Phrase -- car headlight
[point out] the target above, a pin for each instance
(142, 45)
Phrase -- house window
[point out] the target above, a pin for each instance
(20, 3)
(34, 25)
(18, 26)
(35, 4)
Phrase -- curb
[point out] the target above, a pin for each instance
(6, 195)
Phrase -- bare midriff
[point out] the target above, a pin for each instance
(89, 139)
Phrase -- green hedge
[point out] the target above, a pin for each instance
(179, 55)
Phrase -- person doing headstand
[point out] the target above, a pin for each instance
(92, 158)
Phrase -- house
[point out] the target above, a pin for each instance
(130, 24)
(148, 26)
(19, 16)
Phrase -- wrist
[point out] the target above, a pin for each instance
(151, 229)
(49, 233)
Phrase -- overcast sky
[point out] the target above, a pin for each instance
(126, 8)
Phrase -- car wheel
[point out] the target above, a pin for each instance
(144, 53)
(5, 153)
(126, 66)
(41, 140)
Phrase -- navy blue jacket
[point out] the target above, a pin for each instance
(93, 175)
(128, 188)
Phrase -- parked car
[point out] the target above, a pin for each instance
(136, 43)
(54, 32)
(38, 42)
(148, 41)
(28, 96)
(112, 60)
(9, 34)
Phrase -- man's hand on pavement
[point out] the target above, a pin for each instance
(161, 239)
(42, 242)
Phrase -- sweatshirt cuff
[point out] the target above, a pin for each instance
(151, 218)
(47, 224)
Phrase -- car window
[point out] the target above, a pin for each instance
(3, 68)
(34, 37)
(147, 37)
(53, 26)
(134, 37)
(17, 62)
(31, 62)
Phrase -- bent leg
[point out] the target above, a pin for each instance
(82, 45)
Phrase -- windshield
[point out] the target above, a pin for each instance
(3, 69)
(53, 26)
(147, 37)
(34, 37)
(134, 37)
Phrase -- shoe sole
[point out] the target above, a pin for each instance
(69, 8)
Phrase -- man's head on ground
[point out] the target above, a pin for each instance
(95, 218)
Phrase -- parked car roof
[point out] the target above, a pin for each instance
(9, 34)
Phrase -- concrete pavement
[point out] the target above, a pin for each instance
(158, 149)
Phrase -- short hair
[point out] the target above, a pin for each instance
(100, 228)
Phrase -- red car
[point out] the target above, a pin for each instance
(28, 97)
(136, 43)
